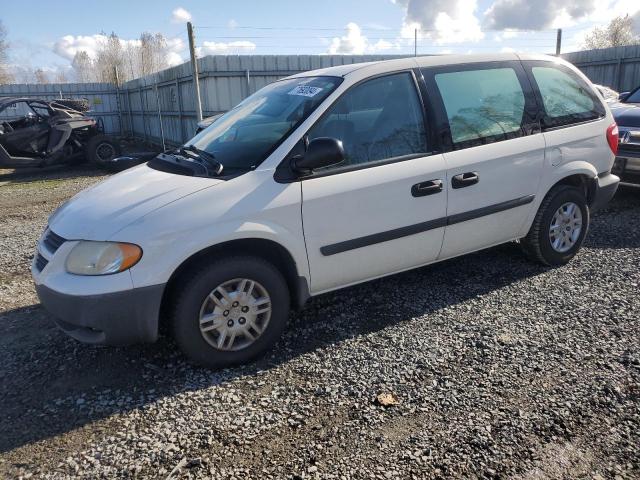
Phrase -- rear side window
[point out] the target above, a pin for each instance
(566, 98)
(482, 106)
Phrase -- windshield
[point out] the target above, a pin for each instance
(243, 137)
(634, 97)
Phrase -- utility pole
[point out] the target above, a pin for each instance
(415, 42)
(194, 68)
(559, 42)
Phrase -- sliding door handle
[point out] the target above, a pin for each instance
(429, 187)
(465, 179)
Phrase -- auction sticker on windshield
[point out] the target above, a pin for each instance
(305, 91)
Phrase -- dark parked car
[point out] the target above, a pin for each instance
(39, 133)
(627, 115)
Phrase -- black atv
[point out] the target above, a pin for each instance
(39, 133)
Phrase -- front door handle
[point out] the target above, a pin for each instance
(465, 179)
(426, 188)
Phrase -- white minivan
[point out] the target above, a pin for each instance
(327, 179)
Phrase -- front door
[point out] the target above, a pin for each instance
(383, 210)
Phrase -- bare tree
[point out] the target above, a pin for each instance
(61, 77)
(153, 53)
(109, 57)
(132, 59)
(83, 66)
(5, 73)
(619, 32)
(41, 76)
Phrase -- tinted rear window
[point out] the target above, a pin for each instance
(566, 98)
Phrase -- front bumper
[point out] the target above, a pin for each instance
(605, 187)
(120, 318)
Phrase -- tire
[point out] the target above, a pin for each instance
(101, 148)
(193, 300)
(79, 104)
(538, 244)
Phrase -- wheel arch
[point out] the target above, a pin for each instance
(581, 181)
(580, 174)
(267, 249)
(576, 174)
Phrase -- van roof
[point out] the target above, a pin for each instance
(412, 62)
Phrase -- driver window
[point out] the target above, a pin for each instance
(376, 120)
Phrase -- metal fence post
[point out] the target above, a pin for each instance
(131, 132)
(180, 116)
(144, 119)
(118, 98)
(618, 78)
(160, 118)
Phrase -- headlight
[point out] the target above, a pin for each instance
(102, 258)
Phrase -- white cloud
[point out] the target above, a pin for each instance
(218, 48)
(355, 43)
(69, 45)
(232, 24)
(538, 15)
(444, 21)
(506, 35)
(180, 15)
(382, 44)
(607, 11)
(174, 58)
(602, 15)
(176, 44)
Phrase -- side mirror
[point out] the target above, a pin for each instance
(623, 96)
(321, 152)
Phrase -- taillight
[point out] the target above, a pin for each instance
(612, 138)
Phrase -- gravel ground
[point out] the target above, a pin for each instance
(495, 368)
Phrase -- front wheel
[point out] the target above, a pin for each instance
(559, 227)
(230, 311)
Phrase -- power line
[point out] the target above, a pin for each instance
(300, 37)
(342, 29)
(433, 46)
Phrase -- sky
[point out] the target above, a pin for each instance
(46, 34)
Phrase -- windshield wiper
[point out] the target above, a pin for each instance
(215, 166)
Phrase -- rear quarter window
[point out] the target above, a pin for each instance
(565, 97)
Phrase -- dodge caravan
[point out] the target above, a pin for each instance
(323, 180)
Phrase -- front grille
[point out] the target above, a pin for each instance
(629, 147)
(41, 262)
(52, 241)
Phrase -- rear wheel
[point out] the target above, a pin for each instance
(101, 149)
(559, 227)
(230, 311)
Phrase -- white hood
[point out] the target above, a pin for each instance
(102, 210)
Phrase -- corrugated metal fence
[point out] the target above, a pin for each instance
(618, 67)
(162, 105)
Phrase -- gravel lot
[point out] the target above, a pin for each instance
(501, 369)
